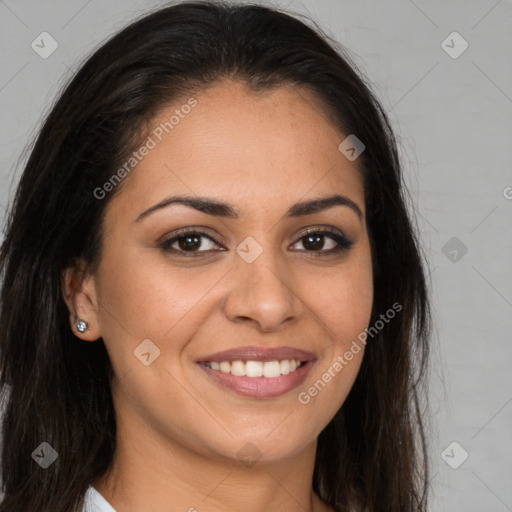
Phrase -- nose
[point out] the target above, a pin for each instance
(262, 293)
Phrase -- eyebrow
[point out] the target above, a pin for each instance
(214, 207)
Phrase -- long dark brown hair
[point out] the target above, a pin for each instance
(373, 455)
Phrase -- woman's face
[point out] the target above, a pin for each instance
(186, 319)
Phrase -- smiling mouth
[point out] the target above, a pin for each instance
(256, 369)
(258, 372)
(258, 379)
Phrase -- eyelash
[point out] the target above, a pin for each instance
(344, 243)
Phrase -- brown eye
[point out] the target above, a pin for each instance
(324, 241)
(190, 242)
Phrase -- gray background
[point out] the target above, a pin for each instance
(453, 117)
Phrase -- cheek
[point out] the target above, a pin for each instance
(147, 294)
(143, 296)
(343, 305)
(343, 301)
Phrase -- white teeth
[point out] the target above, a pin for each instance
(271, 369)
(285, 367)
(225, 367)
(254, 368)
(268, 369)
(238, 368)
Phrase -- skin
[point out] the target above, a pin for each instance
(179, 433)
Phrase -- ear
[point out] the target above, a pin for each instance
(79, 293)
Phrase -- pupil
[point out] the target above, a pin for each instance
(195, 244)
(315, 245)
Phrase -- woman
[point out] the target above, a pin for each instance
(213, 297)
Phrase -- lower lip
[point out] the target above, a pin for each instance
(260, 387)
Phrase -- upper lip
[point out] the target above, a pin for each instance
(259, 354)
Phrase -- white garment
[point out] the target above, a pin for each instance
(95, 502)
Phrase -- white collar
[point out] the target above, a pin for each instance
(95, 502)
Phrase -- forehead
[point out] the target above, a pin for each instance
(276, 147)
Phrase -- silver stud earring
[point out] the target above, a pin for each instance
(80, 325)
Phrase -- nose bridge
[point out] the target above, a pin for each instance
(261, 288)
